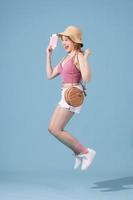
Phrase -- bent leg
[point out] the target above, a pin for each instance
(60, 118)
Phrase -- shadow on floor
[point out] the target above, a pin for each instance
(114, 185)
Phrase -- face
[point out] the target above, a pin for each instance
(67, 44)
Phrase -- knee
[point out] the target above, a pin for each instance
(53, 130)
(50, 129)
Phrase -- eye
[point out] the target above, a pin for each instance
(65, 39)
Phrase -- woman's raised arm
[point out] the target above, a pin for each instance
(51, 72)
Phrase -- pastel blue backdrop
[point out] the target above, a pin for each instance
(27, 98)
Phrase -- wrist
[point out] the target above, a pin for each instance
(86, 57)
(48, 56)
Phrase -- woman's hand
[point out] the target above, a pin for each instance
(49, 50)
(87, 53)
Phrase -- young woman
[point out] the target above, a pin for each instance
(73, 69)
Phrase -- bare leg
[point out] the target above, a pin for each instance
(60, 118)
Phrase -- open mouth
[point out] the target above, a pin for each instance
(66, 47)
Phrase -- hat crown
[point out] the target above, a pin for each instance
(74, 31)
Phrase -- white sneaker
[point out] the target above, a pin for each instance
(78, 161)
(87, 159)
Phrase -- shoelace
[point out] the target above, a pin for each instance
(80, 156)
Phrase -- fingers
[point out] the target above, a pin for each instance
(49, 50)
(87, 53)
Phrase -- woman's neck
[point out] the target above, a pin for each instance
(72, 53)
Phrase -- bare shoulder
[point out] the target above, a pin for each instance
(80, 55)
(78, 59)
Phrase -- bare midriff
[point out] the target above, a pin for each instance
(70, 84)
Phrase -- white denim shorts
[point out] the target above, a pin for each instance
(64, 104)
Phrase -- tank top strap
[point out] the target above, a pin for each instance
(62, 59)
(75, 56)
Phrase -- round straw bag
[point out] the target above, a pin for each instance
(74, 96)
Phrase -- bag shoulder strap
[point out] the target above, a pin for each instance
(83, 83)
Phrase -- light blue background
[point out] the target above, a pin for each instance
(28, 99)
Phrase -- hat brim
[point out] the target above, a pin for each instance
(65, 34)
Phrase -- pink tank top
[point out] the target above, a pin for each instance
(69, 72)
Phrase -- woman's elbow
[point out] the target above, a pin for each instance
(48, 77)
(87, 78)
(51, 77)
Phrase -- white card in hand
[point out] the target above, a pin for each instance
(53, 41)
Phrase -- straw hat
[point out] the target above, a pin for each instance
(74, 33)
